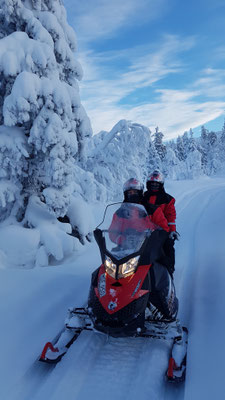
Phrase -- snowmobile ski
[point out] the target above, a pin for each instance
(177, 362)
(75, 323)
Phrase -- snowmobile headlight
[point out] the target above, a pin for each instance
(128, 268)
(110, 267)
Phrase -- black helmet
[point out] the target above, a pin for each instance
(155, 181)
(133, 191)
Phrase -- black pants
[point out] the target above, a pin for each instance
(168, 256)
(162, 294)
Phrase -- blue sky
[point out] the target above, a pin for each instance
(155, 62)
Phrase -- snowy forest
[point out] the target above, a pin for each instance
(52, 166)
(56, 178)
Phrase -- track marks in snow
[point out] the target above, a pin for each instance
(196, 230)
(187, 253)
(199, 279)
(70, 374)
(120, 373)
(30, 382)
(186, 197)
(207, 324)
(114, 368)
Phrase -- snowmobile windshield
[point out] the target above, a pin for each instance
(125, 228)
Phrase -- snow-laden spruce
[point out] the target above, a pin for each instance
(44, 128)
(188, 157)
(130, 149)
(120, 154)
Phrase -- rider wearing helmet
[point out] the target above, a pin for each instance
(133, 191)
(157, 196)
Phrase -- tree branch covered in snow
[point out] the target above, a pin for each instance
(119, 155)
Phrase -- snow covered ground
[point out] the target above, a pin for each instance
(33, 305)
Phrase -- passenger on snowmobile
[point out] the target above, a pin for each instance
(133, 191)
(156, 196)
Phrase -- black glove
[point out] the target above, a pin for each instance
(174, 235)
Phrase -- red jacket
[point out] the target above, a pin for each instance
(165, 202)
(159, 219)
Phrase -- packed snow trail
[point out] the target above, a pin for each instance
(200, 283)
(100, 367)
(34, 303)
(204, 292)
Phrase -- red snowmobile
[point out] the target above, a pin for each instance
(131, 293)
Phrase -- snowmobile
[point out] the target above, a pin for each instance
(131, 293)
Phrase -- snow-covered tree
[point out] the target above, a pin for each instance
(44, 129)
(210, 152)
(119, 155)
(170, 164)
(221, 144)
(180, 151)
(223, 133)
(192, 142)
(154, 161)
(186, 144)
(158, 143)
(44, 126)
(213, 160)
(193, 164)
(203, 148)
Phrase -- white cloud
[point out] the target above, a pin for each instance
(111, 77)
(103, 98)
(174, 112)
(219, 53)
(94, 19)
(212, 83)
(177, 111)
(144, 66)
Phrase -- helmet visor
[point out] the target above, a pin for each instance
(133, 196)
(153, 185)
